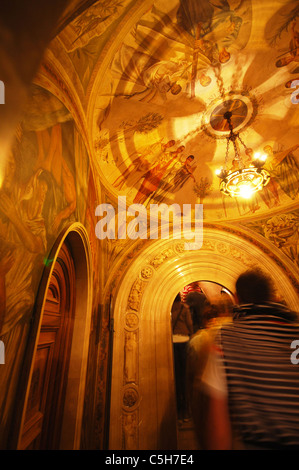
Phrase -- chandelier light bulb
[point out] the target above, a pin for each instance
(242, 180)
(221, 173)
(259, 156)
(246, 190)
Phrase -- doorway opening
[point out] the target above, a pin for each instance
(143, 408)
(55, 384)
(198, 308)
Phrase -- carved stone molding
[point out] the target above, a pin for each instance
(153, 279)
(130, 398)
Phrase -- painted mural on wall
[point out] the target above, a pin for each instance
(283, 231)
(283, 34)
(47, 185)
(84, 37)
(159, 132)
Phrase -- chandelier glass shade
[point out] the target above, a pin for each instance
(242, 179)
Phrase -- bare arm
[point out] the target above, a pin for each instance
(218, 432)
(218, 428)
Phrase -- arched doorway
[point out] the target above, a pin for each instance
(55, 382)
(199, 305)
(143, 390)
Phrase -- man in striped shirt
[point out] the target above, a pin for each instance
(250, 381)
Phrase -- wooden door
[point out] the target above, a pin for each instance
(44, 410)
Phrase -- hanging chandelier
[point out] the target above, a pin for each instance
(242, 179)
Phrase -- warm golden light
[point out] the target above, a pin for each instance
(244, 178)
(244, 183)
(259, 156)
(246, 190)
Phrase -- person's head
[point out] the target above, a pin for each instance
(180, 149)
(42, 186)
(197, 303)
(254, 287)
(170, 143)
(224, 56)
(190, 158)
(268, 149)
(204, 80)
(249, 152)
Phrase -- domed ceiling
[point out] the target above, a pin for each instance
(165, 90)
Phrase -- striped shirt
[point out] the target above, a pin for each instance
(262, 382)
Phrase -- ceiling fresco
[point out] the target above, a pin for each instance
(158, 131)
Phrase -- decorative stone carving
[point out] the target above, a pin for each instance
(147, 272)
(179, 248)
(229, 250)
(222, 248)
(238, 255)
(131, 320)
(161, 257)
(283, 231)
(208, 245)
(130, 431)
(135, 295)
(131, 356)
(130, 398)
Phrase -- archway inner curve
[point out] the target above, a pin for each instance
(142, 374)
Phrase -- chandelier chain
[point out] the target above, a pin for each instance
(219, 81)
(226, 154)
(239, 180)
(243, 143)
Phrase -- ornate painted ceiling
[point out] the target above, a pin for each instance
(158, 77)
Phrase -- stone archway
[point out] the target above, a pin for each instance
(142, 391)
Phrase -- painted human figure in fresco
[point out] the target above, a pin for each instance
(167, 56)
(184, 173)
(283, 168)
(50, 158)
(213, 24)
(159, 36)
(137, 74)
(154, 176)
(23, 236)
(142, 163)
(283, 231)
(174, 180)
(293, 54)
(23, 245)
(202, 35)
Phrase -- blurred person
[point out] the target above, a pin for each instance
(192, 287)
(250, 385)
(196, 302)
(207, 319)
(182, 329)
